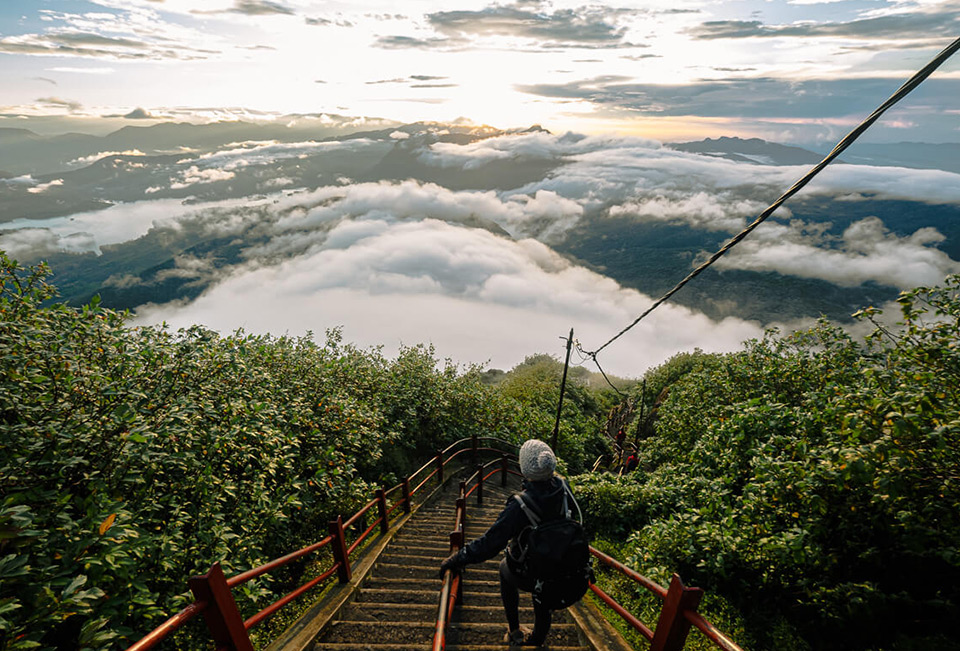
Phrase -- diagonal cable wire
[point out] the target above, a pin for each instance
(848, 140)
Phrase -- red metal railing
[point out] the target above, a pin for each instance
(212, 591)
(678, 613)
(451, 591)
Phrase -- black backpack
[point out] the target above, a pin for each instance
(555, 554)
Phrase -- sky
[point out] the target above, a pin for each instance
(795, 71)
(476, 272)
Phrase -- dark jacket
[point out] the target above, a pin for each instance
(548, 497)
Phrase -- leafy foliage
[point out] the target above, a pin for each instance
(132, 458)
(812, 476)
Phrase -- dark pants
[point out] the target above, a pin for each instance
(510, 585)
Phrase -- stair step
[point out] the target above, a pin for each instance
(382, 632)
(385, 595)
(380, 612)
(426, 573)
(369, 646)
(491, 633)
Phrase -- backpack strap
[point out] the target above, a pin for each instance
(529, 510)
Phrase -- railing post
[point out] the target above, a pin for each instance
(405, 487)
(221, 614)
(479, 485)
(339, 545)
(474, 445)
(672, 627)
(462, 507)
(382, 510)
(504, 470)
(440, 467)
(456, 543)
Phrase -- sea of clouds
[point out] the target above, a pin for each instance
(473, 271)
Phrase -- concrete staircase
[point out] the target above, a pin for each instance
(396, 606)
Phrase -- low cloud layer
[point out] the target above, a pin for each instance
(473, 270)
(475, 295)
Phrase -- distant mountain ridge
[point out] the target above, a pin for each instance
(915, 155)
(750, 150)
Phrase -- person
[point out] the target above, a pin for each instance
(546, 490)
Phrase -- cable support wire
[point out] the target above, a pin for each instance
(848, 140)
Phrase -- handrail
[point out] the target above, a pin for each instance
(680, 603)
(243, 577)
(451, 586)
(710, 631)
(173, 623)
(652, 586)
(280, 603)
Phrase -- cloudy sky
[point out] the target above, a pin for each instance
(787, 70)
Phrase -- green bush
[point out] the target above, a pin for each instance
(812, 479)
(132, 458)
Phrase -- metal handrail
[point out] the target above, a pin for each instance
(650, 585)
(692, 616)
(173, 623)
(280, 603)
(710, 631)
(243, 577)
(176, 621)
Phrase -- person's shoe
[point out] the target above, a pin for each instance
(517, 637)
(529, 641)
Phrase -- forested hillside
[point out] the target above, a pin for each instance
(133, 458)
(810, 483)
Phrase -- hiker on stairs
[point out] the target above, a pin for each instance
(548, 493)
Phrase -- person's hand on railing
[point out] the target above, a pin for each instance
(452, 562)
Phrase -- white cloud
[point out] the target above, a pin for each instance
(545, 214)
(260, 153)
(713, 212)
(93, 158)
(43, 187)
(194, 175)
(866, 251)
(475, 295)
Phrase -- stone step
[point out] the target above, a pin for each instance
(368, 646)
(382, 632)
(386, 612)
(402, 633)
(392, 595)
(429, 572)
(411, 556)
(492, 633)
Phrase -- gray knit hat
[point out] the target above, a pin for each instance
(537, 460)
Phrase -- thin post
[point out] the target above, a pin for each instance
(672, 627)
(462, 507)
(474, 445)
(479, 470)
(405, 487)
(563, 384)
(221, 615)
(456, 543)
(440, 467)
(339, 545)
(504, 469)
(382, 510)
(643, 397)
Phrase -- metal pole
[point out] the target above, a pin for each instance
(643, 397)
(563, 384)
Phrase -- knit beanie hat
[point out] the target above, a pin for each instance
(537, 460)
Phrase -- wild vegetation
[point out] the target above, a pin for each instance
(810, 481)
(132, 458)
